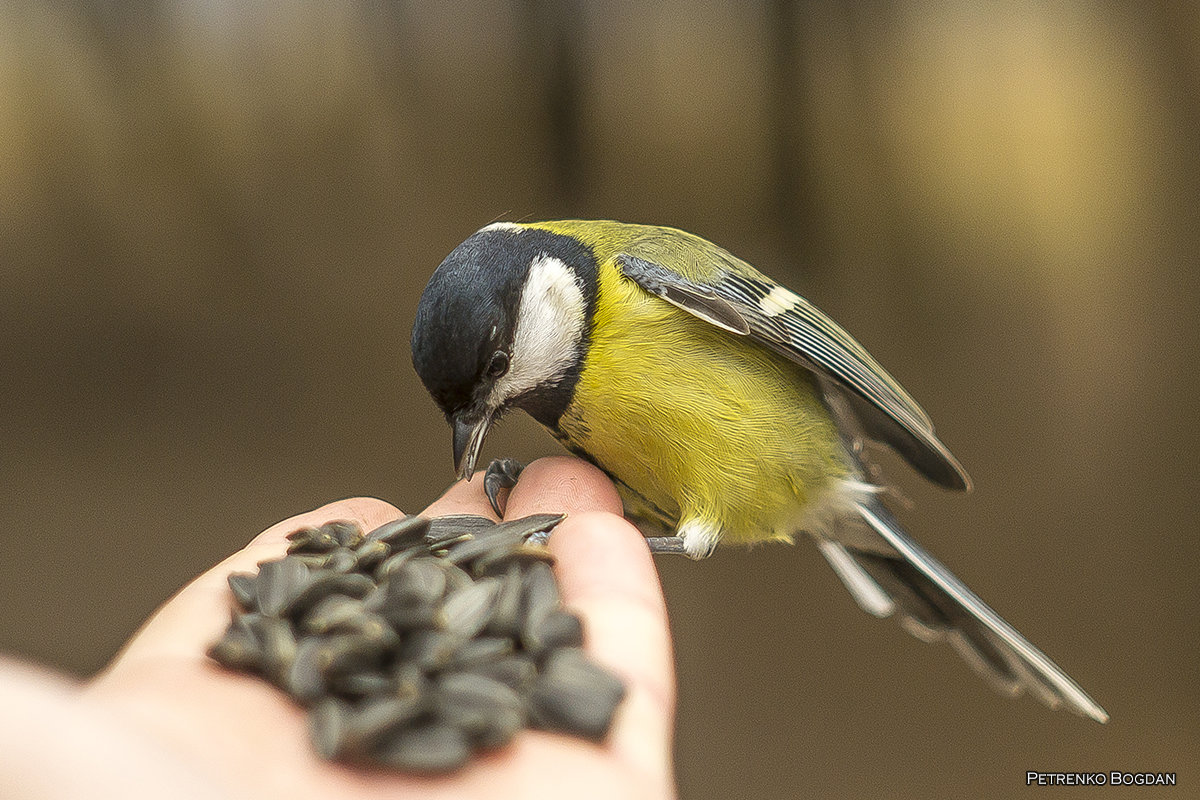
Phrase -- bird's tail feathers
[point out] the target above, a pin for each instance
(933, 605)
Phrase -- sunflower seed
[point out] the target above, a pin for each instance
(481, 650)
(466, 610)
(244, 591)
(306, 678)
(450, 530)
(499, 539)
(499, 560)
(363, 684)
(374, 629)
(370, 724)
(441, 549)
(325, 584)
(517, 671)
(422, 580)
(574, 695)
(502, 726)
(278, 645)
(527, 526)
(511, 536)
(311, 540)
(321, 661)
(506, 613)
(408, 679)
(313, 561)
(556, 630)
(341, 560)
(456, 577)
(279, 583)
(339, 614)
(406, 617)
(345, 532)
(488, 711)
(430, 650)
(238, 648)
(409, 598)
(332, 614)
(401, 532)
(431, 747)
(394, 562)
(539, 597)
(372, 552)
(455, 525)
(327, 726)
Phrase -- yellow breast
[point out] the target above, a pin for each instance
(701, 424)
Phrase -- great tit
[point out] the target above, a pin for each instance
(724, 406)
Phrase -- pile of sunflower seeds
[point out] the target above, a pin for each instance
(420, 642)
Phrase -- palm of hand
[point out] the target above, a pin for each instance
(237, 735)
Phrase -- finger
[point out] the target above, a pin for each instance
(562, 483)
(463, 497)
(199, 612)
(606, 574)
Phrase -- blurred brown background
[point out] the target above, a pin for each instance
(216, 219)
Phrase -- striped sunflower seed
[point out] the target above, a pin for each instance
(279, 583)
(488, 711)
(368, 725)
(342, 559)
(306, 678)
(554, 631)
(345, 532)
(371, 553)
(312, 540)
(238, 648)
(430, 747)
(481, 650)
(277, 644)
(466, 610)
(539, 598)
(498, 561)
(431, 650)
(334, 613)
(360, 685)
(324, 584)
(506, 612)
(401, 533)
(244, 591)
(516, 670)
(575, 695)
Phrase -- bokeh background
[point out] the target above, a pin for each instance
(216, 218)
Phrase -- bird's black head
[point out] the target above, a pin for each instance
(503, 322)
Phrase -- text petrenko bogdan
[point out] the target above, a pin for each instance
(1114, 778)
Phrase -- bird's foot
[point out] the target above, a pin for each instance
(667, 544)
(501, 475)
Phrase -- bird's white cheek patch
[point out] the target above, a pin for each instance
(778, 301)
(550, 322)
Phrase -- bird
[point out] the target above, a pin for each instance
(725, 407)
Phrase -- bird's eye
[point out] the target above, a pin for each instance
(498, 365)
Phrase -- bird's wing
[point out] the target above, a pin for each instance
(738, 299)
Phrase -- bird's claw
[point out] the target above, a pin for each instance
(501, 475)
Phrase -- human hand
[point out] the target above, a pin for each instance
(213, 733)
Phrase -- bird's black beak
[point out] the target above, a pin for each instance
(469, 433)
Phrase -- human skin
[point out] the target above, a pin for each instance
(164, 720)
